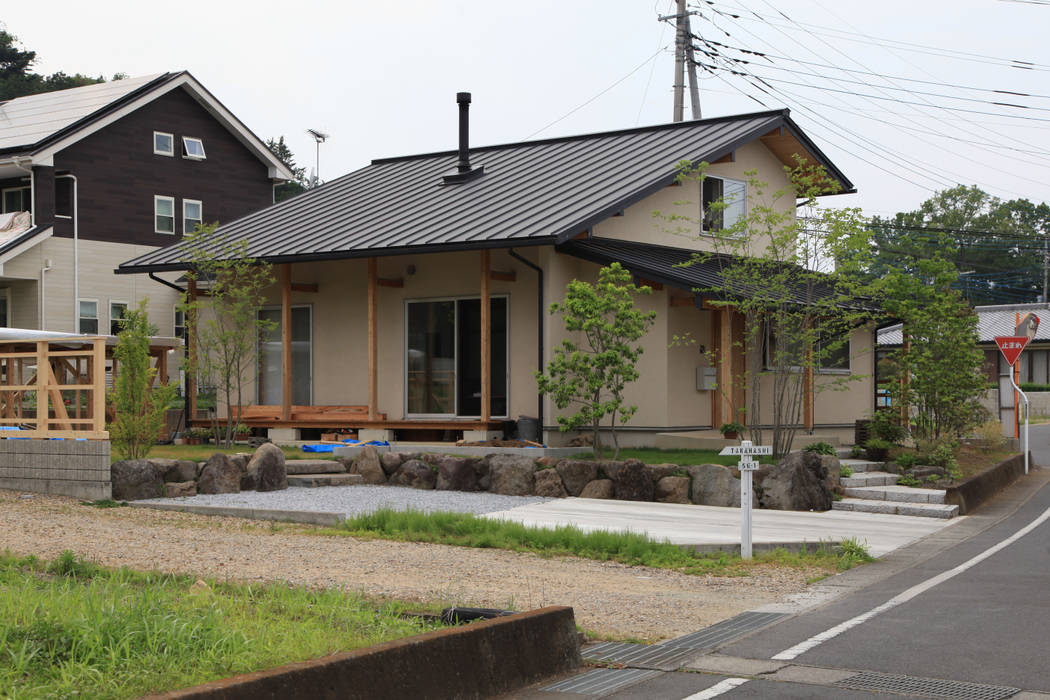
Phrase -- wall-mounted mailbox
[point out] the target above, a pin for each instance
(706, 379)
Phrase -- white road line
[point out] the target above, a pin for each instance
(905, 596)
(716, 690)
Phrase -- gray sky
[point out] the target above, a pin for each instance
(381, 78)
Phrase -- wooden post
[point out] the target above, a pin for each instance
(191, 349)
(286, 341)
(98, 394)
(373, 347)
(41, 386)
(807, 389)
(725, 365)
(905, 375)
(486, 340)
(162, 367)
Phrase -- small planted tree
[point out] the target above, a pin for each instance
(593, 374)
(138, 405)
(798, 285)
(224, 322)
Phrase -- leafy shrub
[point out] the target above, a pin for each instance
(877, 448)
(856, 452)
(907, 460)
(1033, 386)
(846, 471)
(885, 426)
(820, 448)
(853, 552)
(989, 435)
(908, 480)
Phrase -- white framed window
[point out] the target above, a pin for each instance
(16, 199)
(163, 144)
(192, 215)
(733, 197)
(179, 327)
(831, 350)
(163, 214)
(88, 320)
(192, 148)
(5, 300)
(117, 311)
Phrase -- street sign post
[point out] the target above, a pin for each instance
(1012, 346)
(745, 450)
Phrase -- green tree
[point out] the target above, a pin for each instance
(593, 374)
(298, 184)
(224, 322)
(797, 284)
(940, 358)
(138, 405)
(17, 78)
(999, 247)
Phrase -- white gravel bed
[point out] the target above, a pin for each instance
(355, 500)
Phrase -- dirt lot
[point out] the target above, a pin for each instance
(609, 599)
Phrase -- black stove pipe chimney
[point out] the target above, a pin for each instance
(464, 171)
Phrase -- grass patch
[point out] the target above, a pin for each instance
(72, 628)
(465, 530)
(200, 453)
(655, 455)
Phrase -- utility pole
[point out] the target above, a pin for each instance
(1046, 262)
(683, 52)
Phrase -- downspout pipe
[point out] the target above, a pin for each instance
(76, 251)
(539, 328)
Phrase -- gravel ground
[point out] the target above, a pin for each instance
(608, 598)
(356, 500)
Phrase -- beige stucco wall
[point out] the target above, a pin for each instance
(648, 221)
(96, 281)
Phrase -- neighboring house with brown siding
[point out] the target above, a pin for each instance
(110, 171)
(385, 272)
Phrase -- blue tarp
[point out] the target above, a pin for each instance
(348, 443)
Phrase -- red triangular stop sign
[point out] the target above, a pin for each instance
(1011, 346)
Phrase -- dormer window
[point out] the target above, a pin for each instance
(163, 144)
(192, 148)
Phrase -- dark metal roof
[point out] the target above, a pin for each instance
(685, 269)
(531, 193)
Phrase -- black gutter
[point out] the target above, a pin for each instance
(185, 344)
(539, 329)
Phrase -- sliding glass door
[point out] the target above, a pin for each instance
(443, 357)
(270, 366)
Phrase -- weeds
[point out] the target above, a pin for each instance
(71, 628)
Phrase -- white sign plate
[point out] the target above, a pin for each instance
(747, 450)
(748, 465)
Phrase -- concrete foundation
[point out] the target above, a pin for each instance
(445, 449)
(282, 436)
(366, 434)
(77, 468)
(479, 435)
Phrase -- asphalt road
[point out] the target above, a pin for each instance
(986, 624)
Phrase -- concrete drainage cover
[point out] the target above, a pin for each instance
(602, 680)
(926, 687)
(658, 656)
(725, 631)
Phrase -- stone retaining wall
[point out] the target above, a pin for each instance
(77, 468)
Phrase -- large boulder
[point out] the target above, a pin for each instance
(457, 474)
(267, 469)
(512, 475)
(392, 461)
(576, 473)
(368, 465)
(549, 484)
(599, 488)
(632, 482)
(184, 489)
(834, 469)
(220, 475)
(416, 474)
(136, 479)
(176, 470)
(673, 489)
(714, 485)
(798, 482)
(659, 471)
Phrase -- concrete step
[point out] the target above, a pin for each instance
(899, 494)
(862, 465)
(313, 480)
(314, 466)
(922, 510)
(868, 479)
